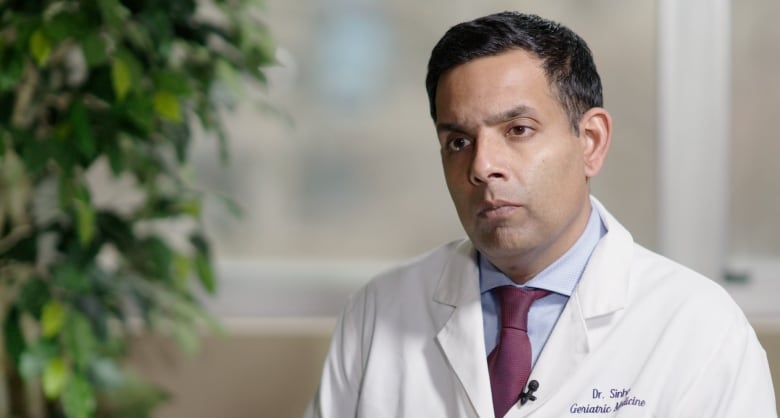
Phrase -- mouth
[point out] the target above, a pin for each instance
(496, 209)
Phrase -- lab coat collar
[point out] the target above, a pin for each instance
(603, 288)
(459, 280)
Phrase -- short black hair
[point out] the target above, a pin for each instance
(567, 60)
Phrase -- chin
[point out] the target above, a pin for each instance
(501, 243)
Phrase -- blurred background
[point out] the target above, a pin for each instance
(338, 175)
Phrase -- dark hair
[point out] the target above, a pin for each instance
(567, 60)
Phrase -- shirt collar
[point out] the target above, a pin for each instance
(562, 275)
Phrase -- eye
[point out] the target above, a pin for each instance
(519, 130)
(457, 144)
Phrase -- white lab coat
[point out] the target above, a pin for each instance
(641, 336)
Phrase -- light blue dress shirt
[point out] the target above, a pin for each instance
(560, 277)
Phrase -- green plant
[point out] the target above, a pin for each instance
(86, 84)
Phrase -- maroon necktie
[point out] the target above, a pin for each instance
(510, 362)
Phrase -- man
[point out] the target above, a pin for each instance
(549, 309)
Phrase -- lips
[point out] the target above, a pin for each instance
(496, 209)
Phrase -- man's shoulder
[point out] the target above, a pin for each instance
(655, 267)
(654, 275)
(680, 286)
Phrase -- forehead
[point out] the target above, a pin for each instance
(492, 84)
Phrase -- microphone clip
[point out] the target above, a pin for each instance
(528, 395)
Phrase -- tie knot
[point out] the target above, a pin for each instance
(515, 303)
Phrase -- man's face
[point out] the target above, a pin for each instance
(513, 165)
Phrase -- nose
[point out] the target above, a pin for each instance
(488, 163)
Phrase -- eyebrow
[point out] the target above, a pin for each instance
(515, 112)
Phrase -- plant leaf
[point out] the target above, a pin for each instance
(52, 318)
(79, 340)
(181, 270)
(140, 112)
(67, 24)
(205, 272)
(69, 277)
(55, 377)
(94, 49)
(13, 66)
(78, 399)
(85, 141)
(40, 47)
(137, 35)
(166, 105)
(121, 77)
(85, 221)
(33, 297)
(202, 262)
(113, 12)
(155, 258)
(173, 82)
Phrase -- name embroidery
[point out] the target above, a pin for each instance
(615, 400)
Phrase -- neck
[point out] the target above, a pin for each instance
(521, 267)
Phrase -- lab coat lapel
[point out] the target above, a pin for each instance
(461, 335)
(602, 290)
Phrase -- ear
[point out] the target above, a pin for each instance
(596, 134)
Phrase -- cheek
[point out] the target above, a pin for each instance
(548, 171)
(455, 184)
(556, 177)
(449, 177)
(455, 172)
(567, 161)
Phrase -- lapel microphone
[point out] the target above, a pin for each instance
(528, 395)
